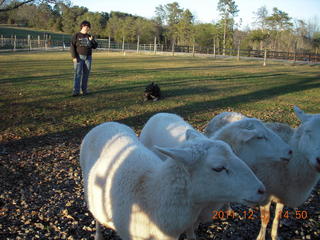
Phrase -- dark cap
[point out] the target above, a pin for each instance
(85, 23)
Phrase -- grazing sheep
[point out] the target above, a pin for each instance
(292, 184)
(249, 139)
(221, 120)
(131, 190)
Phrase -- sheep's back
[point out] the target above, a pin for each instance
(117, 165)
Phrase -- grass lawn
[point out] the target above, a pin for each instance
(42, 126)
(35, 97)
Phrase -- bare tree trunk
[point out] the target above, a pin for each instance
(193, 49)
(224, 37)
(238, 56)
(173, 49)
(265, 58)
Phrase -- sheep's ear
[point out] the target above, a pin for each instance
(192, 134)
(245, 135)
(156, 151)
(179, 154)
(300, 114)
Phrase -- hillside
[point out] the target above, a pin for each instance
(20, 32)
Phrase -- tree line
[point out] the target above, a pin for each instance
(172, 25)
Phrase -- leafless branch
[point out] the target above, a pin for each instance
(15, 6)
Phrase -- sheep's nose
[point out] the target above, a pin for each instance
(318, 164)
(261, 190)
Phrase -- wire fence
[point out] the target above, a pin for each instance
(13, 44)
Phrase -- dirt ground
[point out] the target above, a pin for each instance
(41, 197)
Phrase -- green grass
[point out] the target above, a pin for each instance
(22, 33)
(36, 91)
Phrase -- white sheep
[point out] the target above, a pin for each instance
(282, 129)
(256, 145)
(164, 130)
(221, 120)
(249, 139)
(131, 190)
(292, 184)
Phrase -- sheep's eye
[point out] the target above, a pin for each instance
(261, 137)
(219, 169)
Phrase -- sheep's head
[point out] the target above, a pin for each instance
(308, 137)
(253, 142)
(216, 173)
(221, 120)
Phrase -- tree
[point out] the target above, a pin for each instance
(7, 5)
(258, 36)
(170, 15)
(146, 30)
(205, 34)
(70, 17)
(279, 20)
(185, 28)
(228, 9)
(97, 20)
(261, 18)
(279, 25)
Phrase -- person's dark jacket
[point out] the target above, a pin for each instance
(81, 45)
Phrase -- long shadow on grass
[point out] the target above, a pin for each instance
(144, 71)
(232, 101)
(32, 79)
(138, 121)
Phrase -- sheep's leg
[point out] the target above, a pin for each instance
(98, 235)
(265, 217)
(190, 233)
(274, 230)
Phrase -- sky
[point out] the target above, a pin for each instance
(205, 11)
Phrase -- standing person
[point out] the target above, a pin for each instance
(81, 51)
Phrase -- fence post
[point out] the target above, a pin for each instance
(15, 43)
(29, 42)
(124, 53)
(46, 42)
(214, 48)
(193, 53)
(173, 49)
(138, 44)
(265, 58)
(109, 43)
(155, 46)
(38, 41)
(238, 56)
(2, 41)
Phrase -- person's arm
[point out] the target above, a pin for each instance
(93, 43)
(73, 50)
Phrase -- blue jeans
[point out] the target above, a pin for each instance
(81, 73)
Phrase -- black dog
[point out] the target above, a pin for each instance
(152, 92)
